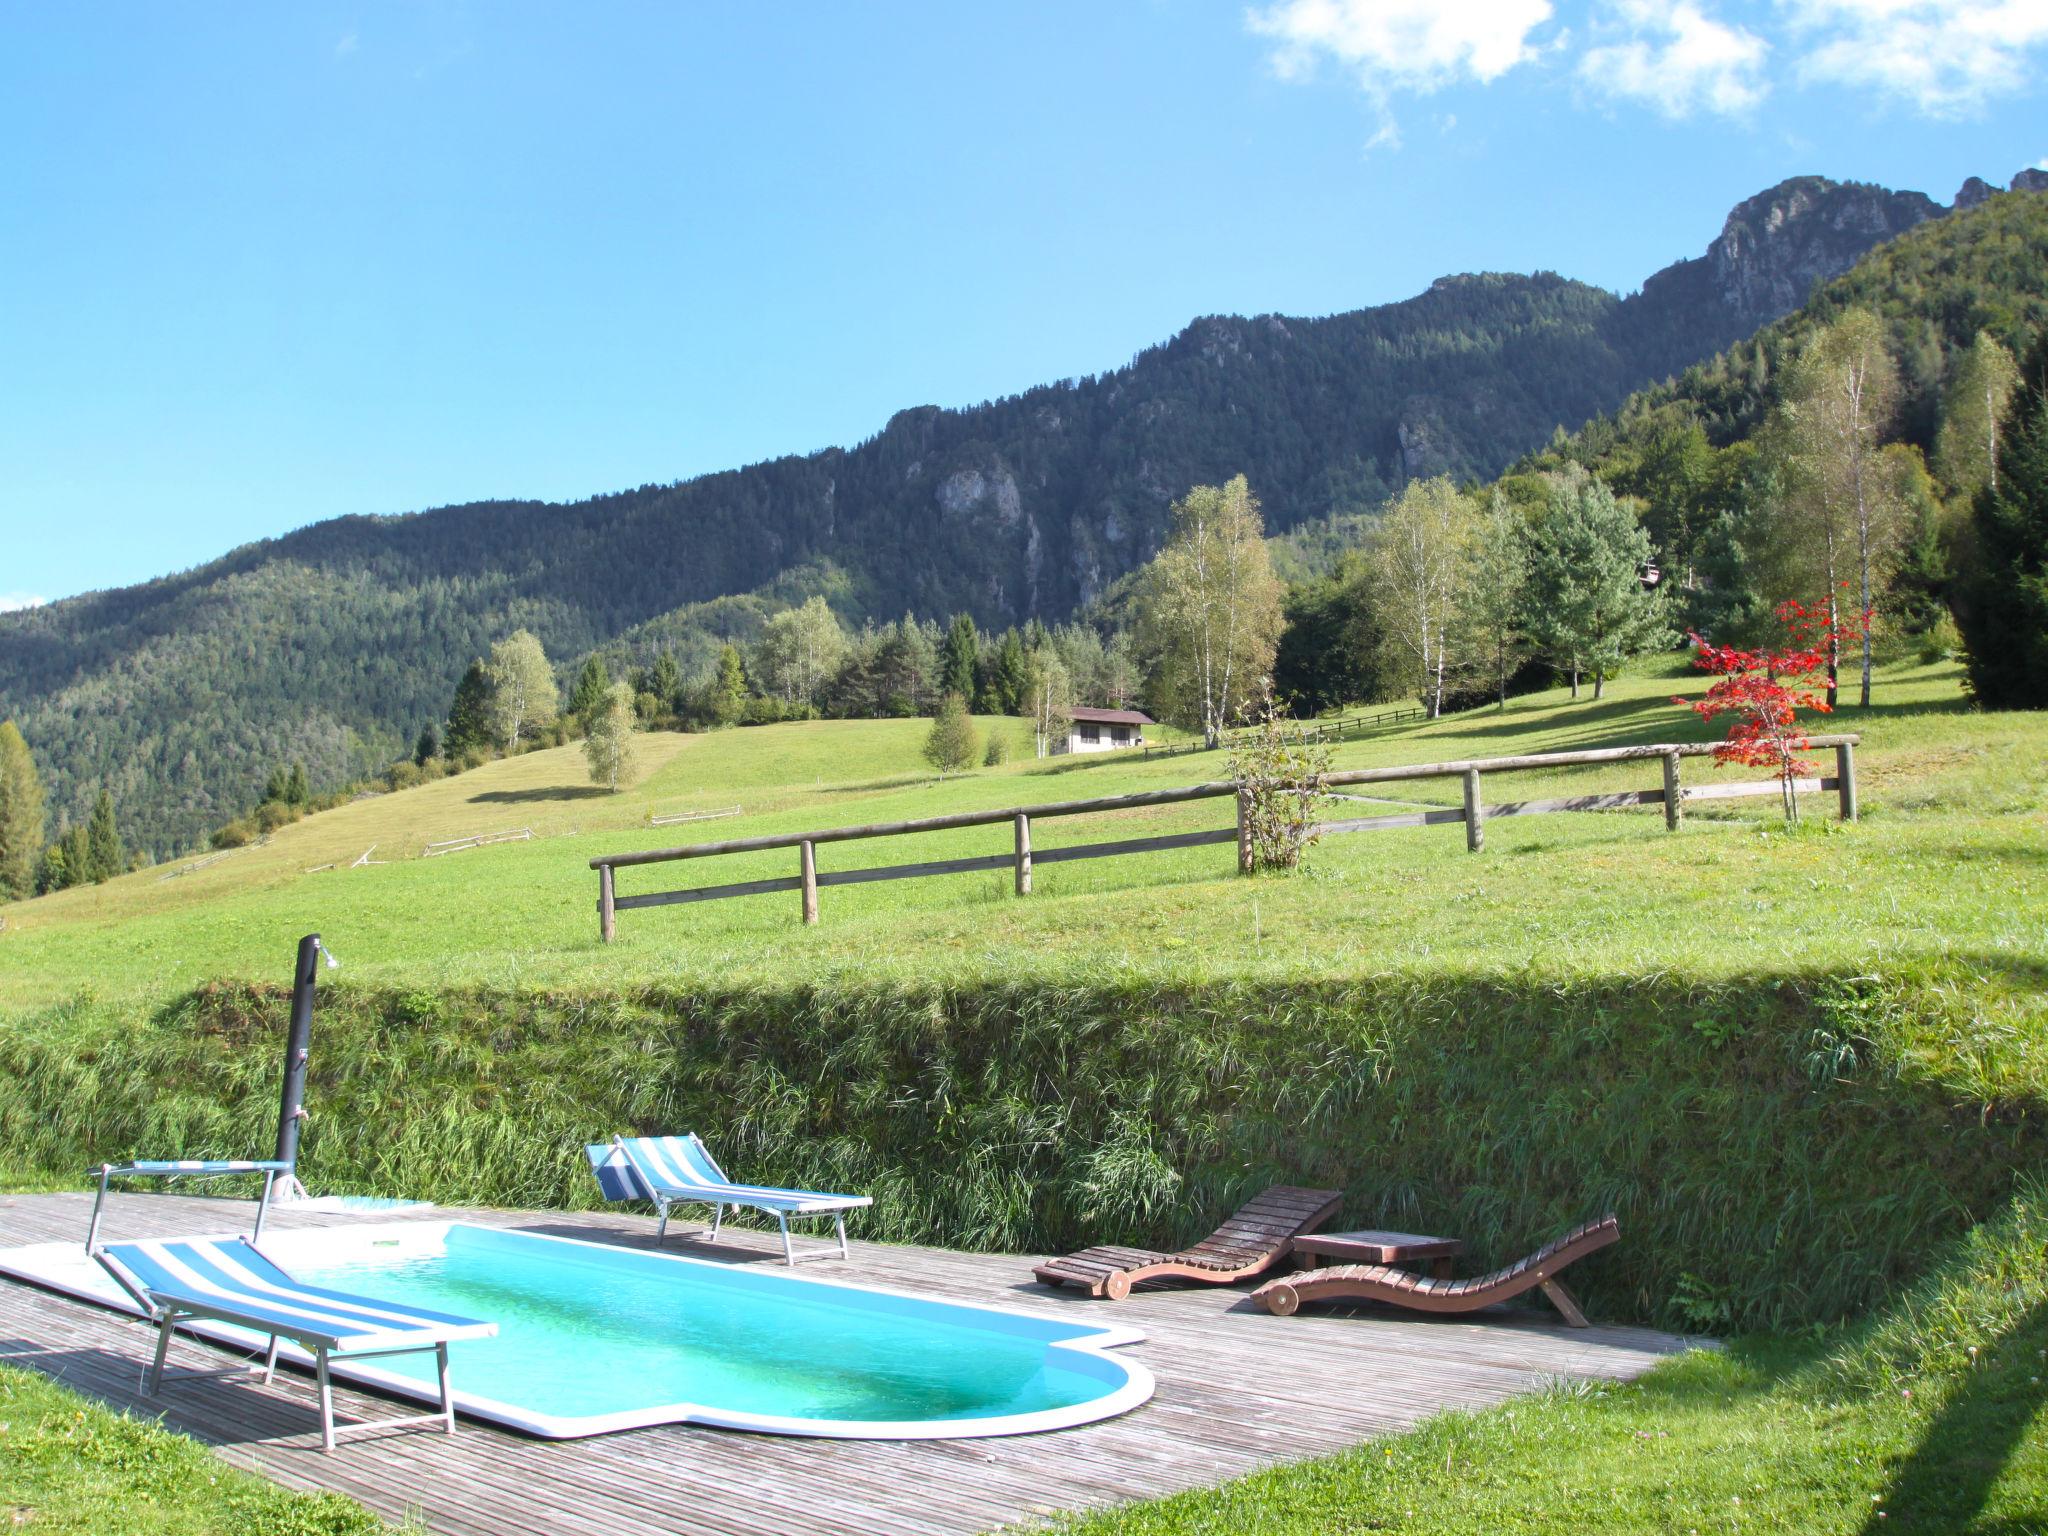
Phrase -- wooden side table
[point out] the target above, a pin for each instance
(1319, 1248)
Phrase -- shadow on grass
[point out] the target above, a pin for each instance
(1947, 1481)
(534, 796)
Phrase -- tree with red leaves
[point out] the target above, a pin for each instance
(1764, 690)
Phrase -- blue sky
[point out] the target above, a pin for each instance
(264, 264)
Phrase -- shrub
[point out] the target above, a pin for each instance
(998, 750)
(238, 833)
(272, 814)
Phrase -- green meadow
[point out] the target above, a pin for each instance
(1945, 869)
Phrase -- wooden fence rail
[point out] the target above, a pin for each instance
(1473, 812)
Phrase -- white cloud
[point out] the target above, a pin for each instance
(1676, 58)
(1402, 45)
(14, 602)
(1941, 57)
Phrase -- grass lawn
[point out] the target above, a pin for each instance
(69, 1467)
(1945, 867)
(1927, 1419)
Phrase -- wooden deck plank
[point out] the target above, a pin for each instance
(1237, 1391)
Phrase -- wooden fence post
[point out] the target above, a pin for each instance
(1023, 854)
(810, 869)
(1674, 797)
(1475, 823)
(1244, 831)
(1845, 772)
(607, 916)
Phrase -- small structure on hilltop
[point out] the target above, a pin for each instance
(1104, 730)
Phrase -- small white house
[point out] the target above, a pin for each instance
(1104, 730)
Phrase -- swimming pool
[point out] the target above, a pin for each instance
(593, 1337)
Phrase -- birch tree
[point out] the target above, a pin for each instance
(523, 695)
(608, 737)
(21, 815)
(1498, 590)
(1842, 515)
(1209, 610)
(1049, 700)
(1420, 557)
(800, 650)
(1973, 411)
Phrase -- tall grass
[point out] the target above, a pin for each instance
(1780, 1150)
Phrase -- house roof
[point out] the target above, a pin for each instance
(1113, 716)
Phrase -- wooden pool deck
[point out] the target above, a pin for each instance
(1238, 1390)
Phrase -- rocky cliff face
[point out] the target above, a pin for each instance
(1774, 249)
(1779, 246)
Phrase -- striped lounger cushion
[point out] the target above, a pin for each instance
(681, 1167)
(228, 1279)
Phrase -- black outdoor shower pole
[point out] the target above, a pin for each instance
(298, 1045)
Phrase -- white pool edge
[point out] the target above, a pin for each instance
(65, 1267)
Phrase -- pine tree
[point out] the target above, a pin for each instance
(2002, 605)
(951, 744)
(278, 786)
(608, 737)
(959, 657)
(297, 791)
(469, 716)
(665, 682)
(427, 747)
(593, 689)
(728, 699)
(1587, 604)
(21, 815)
(1006, 676)
(53, 870)
(72, 859)
(104, 855)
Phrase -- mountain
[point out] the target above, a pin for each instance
(333, 644)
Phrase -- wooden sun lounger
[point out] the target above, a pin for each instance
(1405, 1288)
(1259, 1236)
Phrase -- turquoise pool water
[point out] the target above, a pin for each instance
(593, 1337)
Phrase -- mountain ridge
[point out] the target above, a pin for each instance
(335, 641)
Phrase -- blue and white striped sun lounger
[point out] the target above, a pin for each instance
(188, 1168)
(680, 1170)
(225, 1278)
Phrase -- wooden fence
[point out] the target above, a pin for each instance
(1474, 813)
(1311, 732)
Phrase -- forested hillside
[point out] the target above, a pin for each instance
(334, 644)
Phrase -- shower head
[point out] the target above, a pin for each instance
(328, 955)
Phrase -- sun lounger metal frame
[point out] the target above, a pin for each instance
(190, 1168)
(1258, 1236)
(1406, 1288)
(166, 1308)
(719, 1191)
